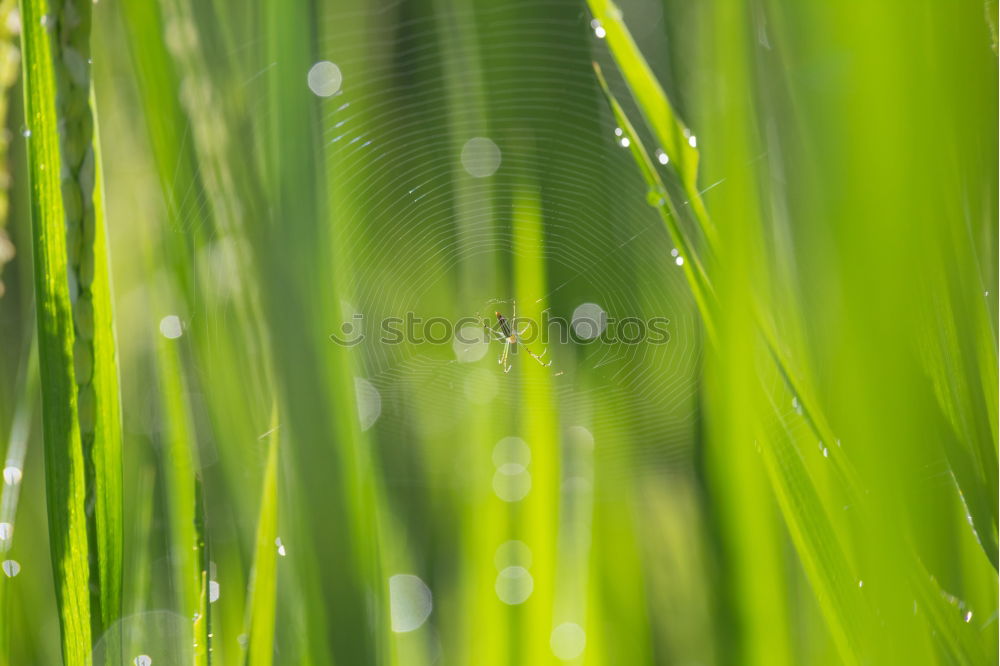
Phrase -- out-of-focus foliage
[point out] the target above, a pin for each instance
(804, 472)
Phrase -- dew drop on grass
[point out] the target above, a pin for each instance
(11, 568)
(324, 78)
(26, 132)
(625, 142)
(679, 261)
(514, 585)
(512, 553)
(243, 640)
(281, 547)
(410, 602)
(598, 29)
(589, 320)
(662, 157)
(618, 131)
(11, 475)
(567, 641)
(143, 660)
(213, 591)
(511, 483)
(512, 453)
(693, 141)
(580, 438)
(480, 157)
(6, 532)
(481, 386)
(369, 402)
(470, 344)
(968, 616)
(170, 327)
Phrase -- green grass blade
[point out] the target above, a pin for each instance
(661, 200)
(107, 445)
(179, 466)
(667, 127)
(203, 615)
(261, 599)
(64, 460)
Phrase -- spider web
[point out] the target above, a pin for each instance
(422, 235)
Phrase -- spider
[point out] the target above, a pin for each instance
(511, 337)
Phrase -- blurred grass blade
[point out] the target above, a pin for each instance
(261, 599)
(64, 460)
(13, 466)
(179, 465)
(203, 616)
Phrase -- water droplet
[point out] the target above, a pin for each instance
(514, 585)
(11, 568)
(674, 252)
(470, 344)
(410, 602)
(654, 197)
(281, 546)
(26, 132)
(693, 141)
(143, 660)
(6, 532)
(512, 453)
(679, 261)
(324, 78)
(480, 157)
(11, 475)
(599, 30)
(826, 452)
(243, 640)
(625, 142)
(968, 616)
(14, 22)
(512, 553)
(589, 320)
(567, 641)
(861, 583)
(662, 157)
(369, 402)
(618, 131)
(170, 327)
(511, 483)
(580, 437)
(481, 386)
(213, 591)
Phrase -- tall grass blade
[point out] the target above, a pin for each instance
(667, 127)
(106, 448)
(262, 596)
(818, 539)
(203, 615)
(179, 466)
(65, 467)
(13, 468)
